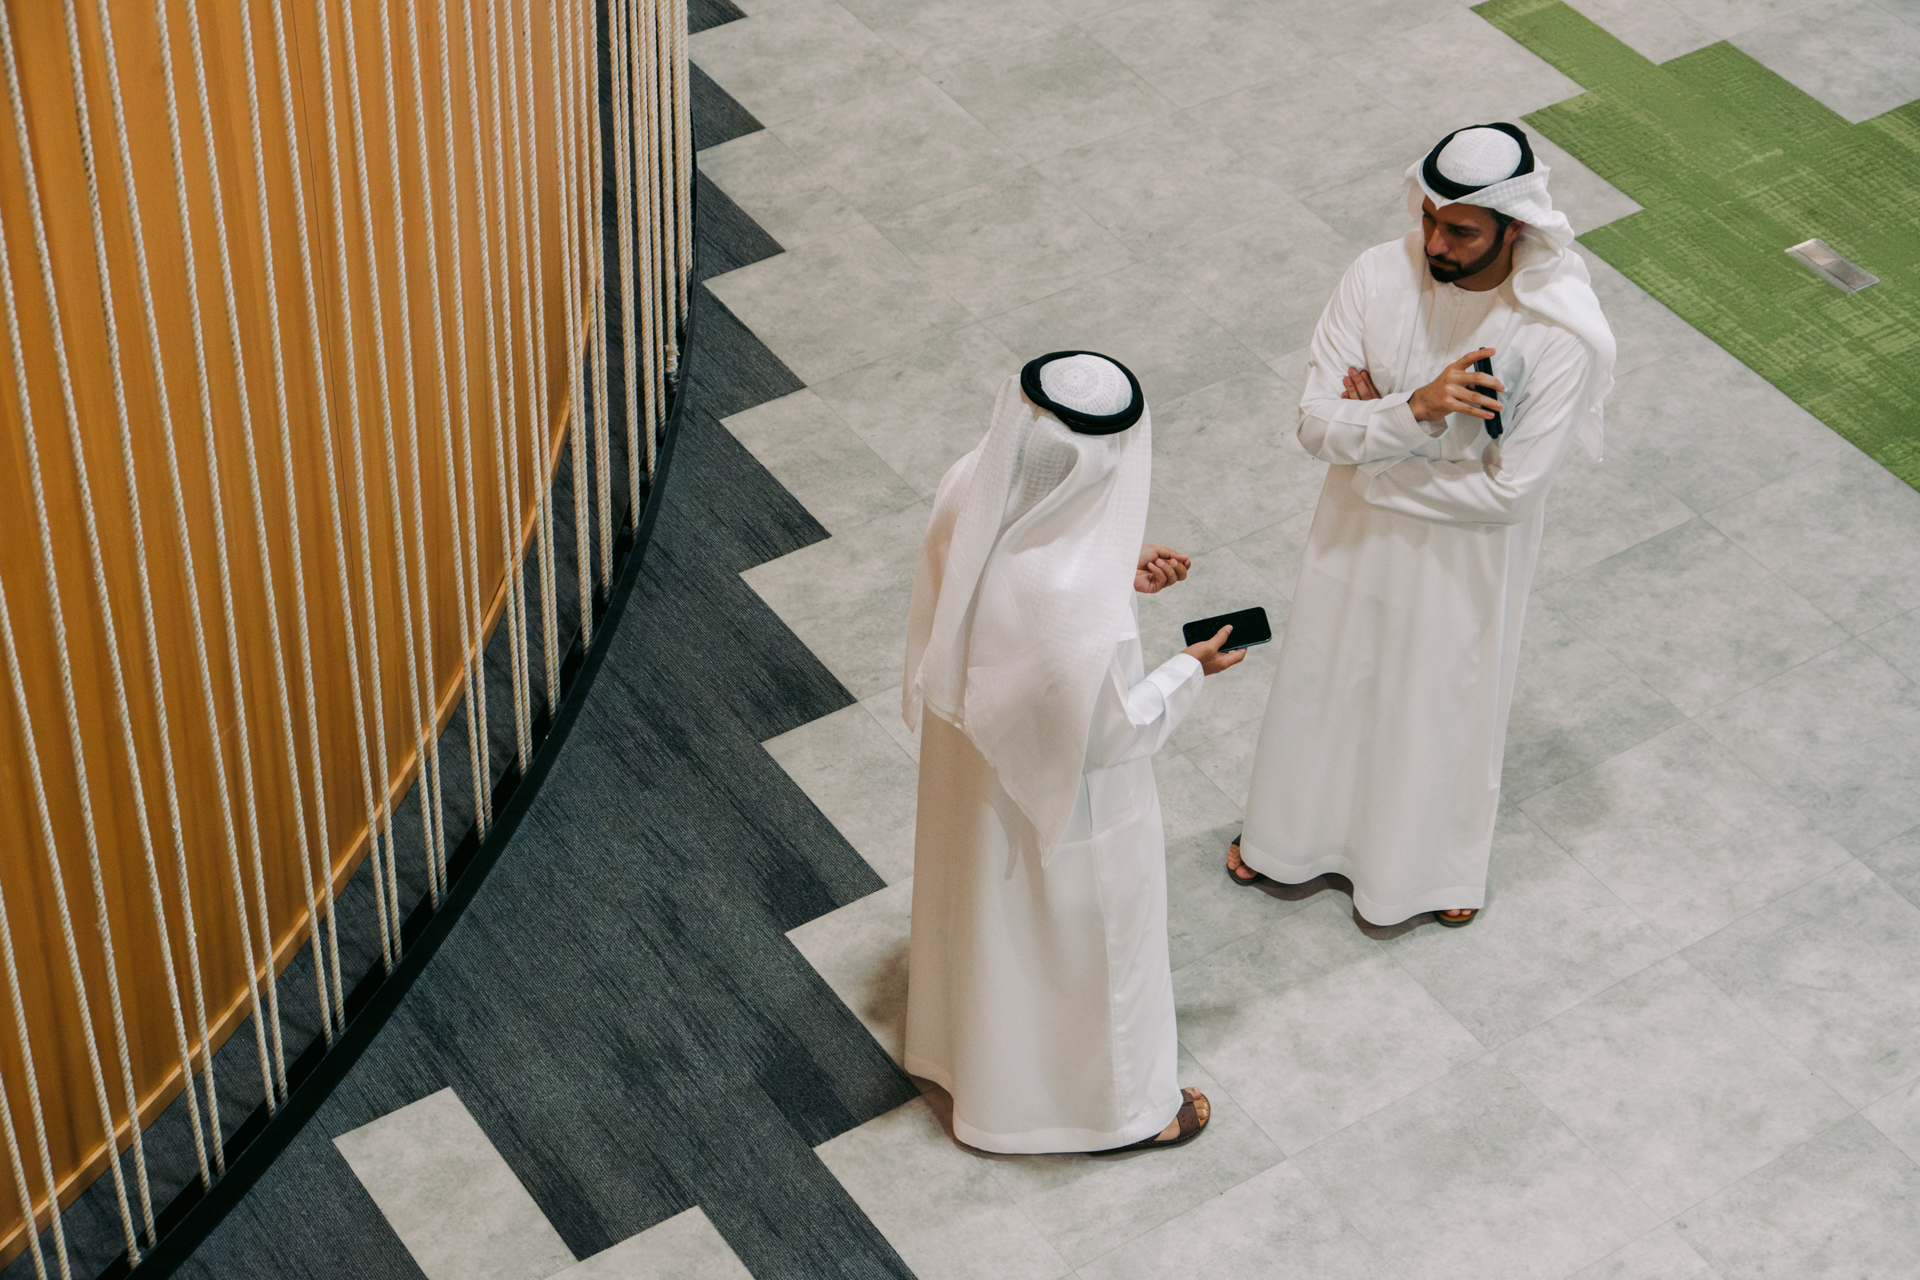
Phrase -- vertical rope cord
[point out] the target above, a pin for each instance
(357, 452)
(430, 769)
(535, 364)
(55, 612)
(664, 135)
(595, 143)
(104, 598)
(509, 548)
(182, 536)
(59, 879)
(593, 140)
(102, 595)
(120, 402)
(638, 128)
(245, 753)
(533, 281)
(664, 285)
(510, 425)
(466, 542)
(29, 1220)
(567, 165)
(55, 1221)
(375, 803)
(644, 130)
(586, 271)
(683, 187)
(483, 800)
(620, 59)
(423, 718)
(283, 419)
(130, 193)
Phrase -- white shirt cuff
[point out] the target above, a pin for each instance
(1174, 672)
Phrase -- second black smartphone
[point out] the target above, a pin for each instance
(1494, 426)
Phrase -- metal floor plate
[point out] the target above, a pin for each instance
(1830, 266)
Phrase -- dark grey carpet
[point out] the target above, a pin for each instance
(702, 14)
(717, 118)
(619, 1008)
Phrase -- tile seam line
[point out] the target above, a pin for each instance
(1852, 633)
(1680, 955)
(1680, 947)
(1519, 801)
(1907, 1084)
(1574, 856)
(1809, 659)
(1380, 1250)
(1494, 1049)
(1849, 638)
(1759, 1022)
(1587, 1147)
(1859, 1115)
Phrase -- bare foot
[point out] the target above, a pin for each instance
(1459, 915)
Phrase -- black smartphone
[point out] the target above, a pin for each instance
(1249, 628)
(1494, 427)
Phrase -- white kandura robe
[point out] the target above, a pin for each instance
(1380, 754)
(1039, 991)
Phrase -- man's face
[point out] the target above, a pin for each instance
(1462, 240)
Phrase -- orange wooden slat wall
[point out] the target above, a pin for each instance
(75, 1129)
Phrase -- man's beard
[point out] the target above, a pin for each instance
(1448, 274)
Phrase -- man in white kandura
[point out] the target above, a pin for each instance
(1039, 992)
(1379, 758)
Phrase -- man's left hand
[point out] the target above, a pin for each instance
(1159, 567)
(1358, 385)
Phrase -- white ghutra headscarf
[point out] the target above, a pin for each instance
(1022, 589)
(1493, 166)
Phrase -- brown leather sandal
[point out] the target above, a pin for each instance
(1193, 1115)
(1473, 913)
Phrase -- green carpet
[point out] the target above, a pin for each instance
(1731, 164)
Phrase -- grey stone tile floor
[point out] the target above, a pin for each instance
(1681, 1041)
(463, 1214)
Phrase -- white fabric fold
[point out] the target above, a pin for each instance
(1021, 593)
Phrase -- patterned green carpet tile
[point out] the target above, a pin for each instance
(1731, 164)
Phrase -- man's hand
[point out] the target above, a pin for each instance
(1159, 567)
(1458, 390)
(1358, 385)
(1207, 653)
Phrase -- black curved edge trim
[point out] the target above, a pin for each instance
(1087, 424)
(1430, 167)
(196, 1211)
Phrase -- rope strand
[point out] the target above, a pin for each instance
(373, 799)
(56, 1222)
(56, 617)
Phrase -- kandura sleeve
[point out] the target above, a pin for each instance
(1132, 722)
(1352, 432)
(1537, 437)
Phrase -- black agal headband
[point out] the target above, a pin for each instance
(1087, 424)
(1430, 167)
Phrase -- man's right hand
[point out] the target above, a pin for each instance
(1458, 390)
(1207, 653)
